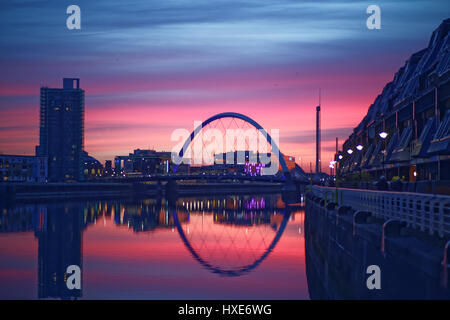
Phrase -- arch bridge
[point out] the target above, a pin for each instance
(284, 176)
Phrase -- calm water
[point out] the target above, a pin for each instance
(225, 247)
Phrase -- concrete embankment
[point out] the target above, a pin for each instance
(342, 243)
(78, 190)
(89, 190)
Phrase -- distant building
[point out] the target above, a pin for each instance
(62, 130)
(23, 168)
(143, 162)
(249, 163)
(91, 166)
(290, 162)
(108, 171)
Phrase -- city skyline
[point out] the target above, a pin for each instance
(145, 76)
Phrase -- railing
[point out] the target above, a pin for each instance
(426, 212)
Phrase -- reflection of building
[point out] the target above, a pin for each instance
(243, 218)
(143, 162)
(23, 168)
(60, 245)
(62, 130)
(18, 219)
(237, 210)
(147, 216)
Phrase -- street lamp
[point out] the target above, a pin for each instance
(359, 147)
(349, 151)
(331, 166)
(383, 135)
(340, 157)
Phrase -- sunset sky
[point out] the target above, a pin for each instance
(149, 67)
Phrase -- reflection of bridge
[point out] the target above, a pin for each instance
(237, 271)
(230, 218)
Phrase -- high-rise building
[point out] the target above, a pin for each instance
(62, 130)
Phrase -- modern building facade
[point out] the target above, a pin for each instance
(17, 168)
(62, 130)
(143, 162)
(406, 132)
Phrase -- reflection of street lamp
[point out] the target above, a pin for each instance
(383, 135)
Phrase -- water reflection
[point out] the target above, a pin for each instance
(228, 236)
(232, 251)
(59, 229)
(59, 232)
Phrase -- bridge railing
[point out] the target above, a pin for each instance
(427, 212)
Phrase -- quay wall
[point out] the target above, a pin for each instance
(88, 190)
(341, 243)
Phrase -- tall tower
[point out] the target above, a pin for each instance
(318, 141)
(62, 130)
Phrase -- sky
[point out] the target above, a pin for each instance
(150, 67)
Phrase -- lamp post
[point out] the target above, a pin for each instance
(338, 167)
(359, 147)
(332, 166)
(383, 135)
